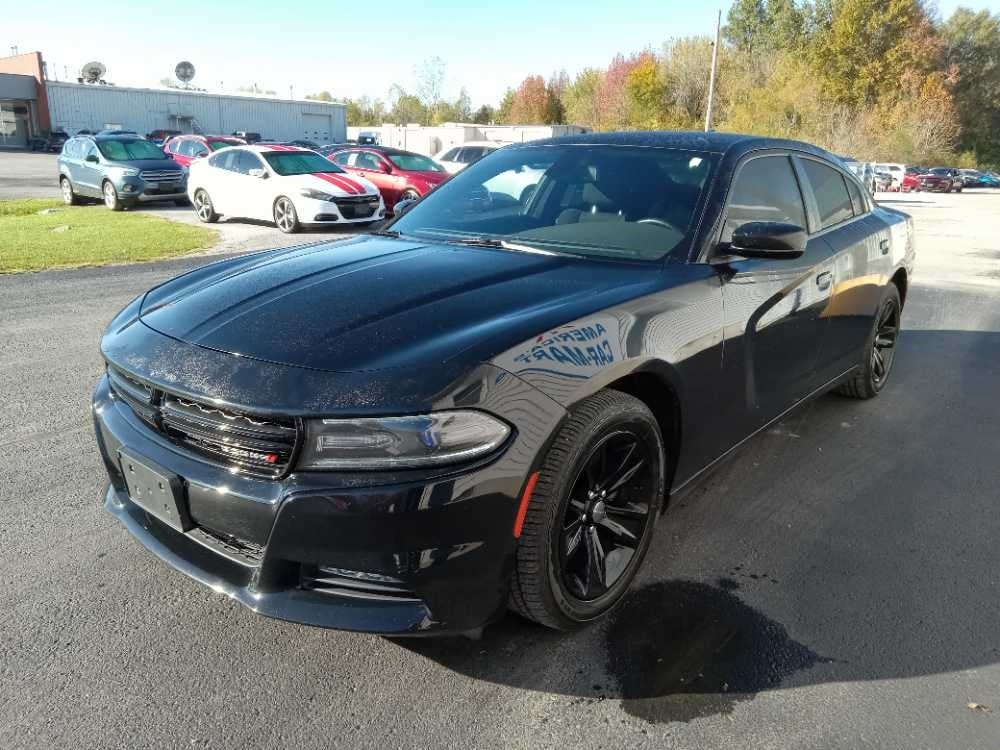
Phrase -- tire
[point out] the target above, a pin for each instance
(111, 199)
(879, 351)
(70, 198)
(547, 585)
(285, 217)
(204, 207)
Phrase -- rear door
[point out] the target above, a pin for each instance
(859, 245)
(218, 177)
(773, 308)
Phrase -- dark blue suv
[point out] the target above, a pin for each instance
(121, 169)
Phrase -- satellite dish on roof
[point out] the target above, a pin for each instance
(92, 72)
(184, 71)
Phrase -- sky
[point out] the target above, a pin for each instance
(352, 49)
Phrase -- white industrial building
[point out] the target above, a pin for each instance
(434, 139)
(76, 106)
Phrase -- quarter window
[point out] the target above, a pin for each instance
(765, 190)
(831, 193)
(860, 207)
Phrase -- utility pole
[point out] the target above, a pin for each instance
(711, 79)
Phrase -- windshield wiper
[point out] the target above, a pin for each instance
(498, 244)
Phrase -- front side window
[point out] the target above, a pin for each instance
(415, 163)
(621, 202)
(765, 190)
(197, 148)
(247, 160)
(130, 150)
(450, 155)
(186, 148)
(369, 161)
(471, 154)
(298, 162)
(830, 189)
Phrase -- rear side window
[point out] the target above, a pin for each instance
(765, 190)
(830, 190)
(227, 159)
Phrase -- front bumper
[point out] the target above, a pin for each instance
(137, 189)
(445, 540)
(318, 212)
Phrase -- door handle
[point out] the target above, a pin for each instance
(824, 280)
(884, 246)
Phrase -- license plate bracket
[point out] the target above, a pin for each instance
(158, 492)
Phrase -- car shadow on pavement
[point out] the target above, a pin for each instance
(855, 541)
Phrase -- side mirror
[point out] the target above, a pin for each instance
(403, 206)
(92, 158)
(258, 173)
(387, 168)
(769, 239)
(201, 155)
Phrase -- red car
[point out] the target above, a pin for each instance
(941, 180)
(399, 175)
(911, 180)
(184, 149)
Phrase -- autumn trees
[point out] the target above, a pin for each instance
(876, 79)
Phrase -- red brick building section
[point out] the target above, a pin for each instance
(30, 64)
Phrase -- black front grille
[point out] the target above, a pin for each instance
(257, 445)
(357, 206)
(355, 584)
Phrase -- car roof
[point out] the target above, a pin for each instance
(713, 141)
(266, 148)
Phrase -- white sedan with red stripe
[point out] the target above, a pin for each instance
(291, 186)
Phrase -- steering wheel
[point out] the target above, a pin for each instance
(660, 222)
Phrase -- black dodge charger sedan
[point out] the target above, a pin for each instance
(489, 402)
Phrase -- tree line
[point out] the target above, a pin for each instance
(880, 80)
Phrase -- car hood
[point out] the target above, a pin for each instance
(145, 164)
(335, 183)
(374, 303)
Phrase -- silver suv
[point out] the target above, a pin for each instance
(120, 169)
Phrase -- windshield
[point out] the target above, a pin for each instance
(216, 145)
(415, 163)
(941, 171)
(604, 201)
(299, 162)
(130, 150)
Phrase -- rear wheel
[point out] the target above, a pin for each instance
(69, 197)
(204, 208)
(590, 518)
(879, 352)
(111, 199)
(285, 216)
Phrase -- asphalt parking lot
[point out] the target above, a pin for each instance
(836, 586)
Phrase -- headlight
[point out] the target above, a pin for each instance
(445, 437)
(315, 194)
(126, 172)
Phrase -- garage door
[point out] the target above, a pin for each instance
(316, 128)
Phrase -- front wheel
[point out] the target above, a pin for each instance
(590, 517)
(285, 217)
(879, 352)
(70, 198)
(111, 199)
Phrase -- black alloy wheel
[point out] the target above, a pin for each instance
(880, 350)
(591, 515)
(606, 516)
(883, 350)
